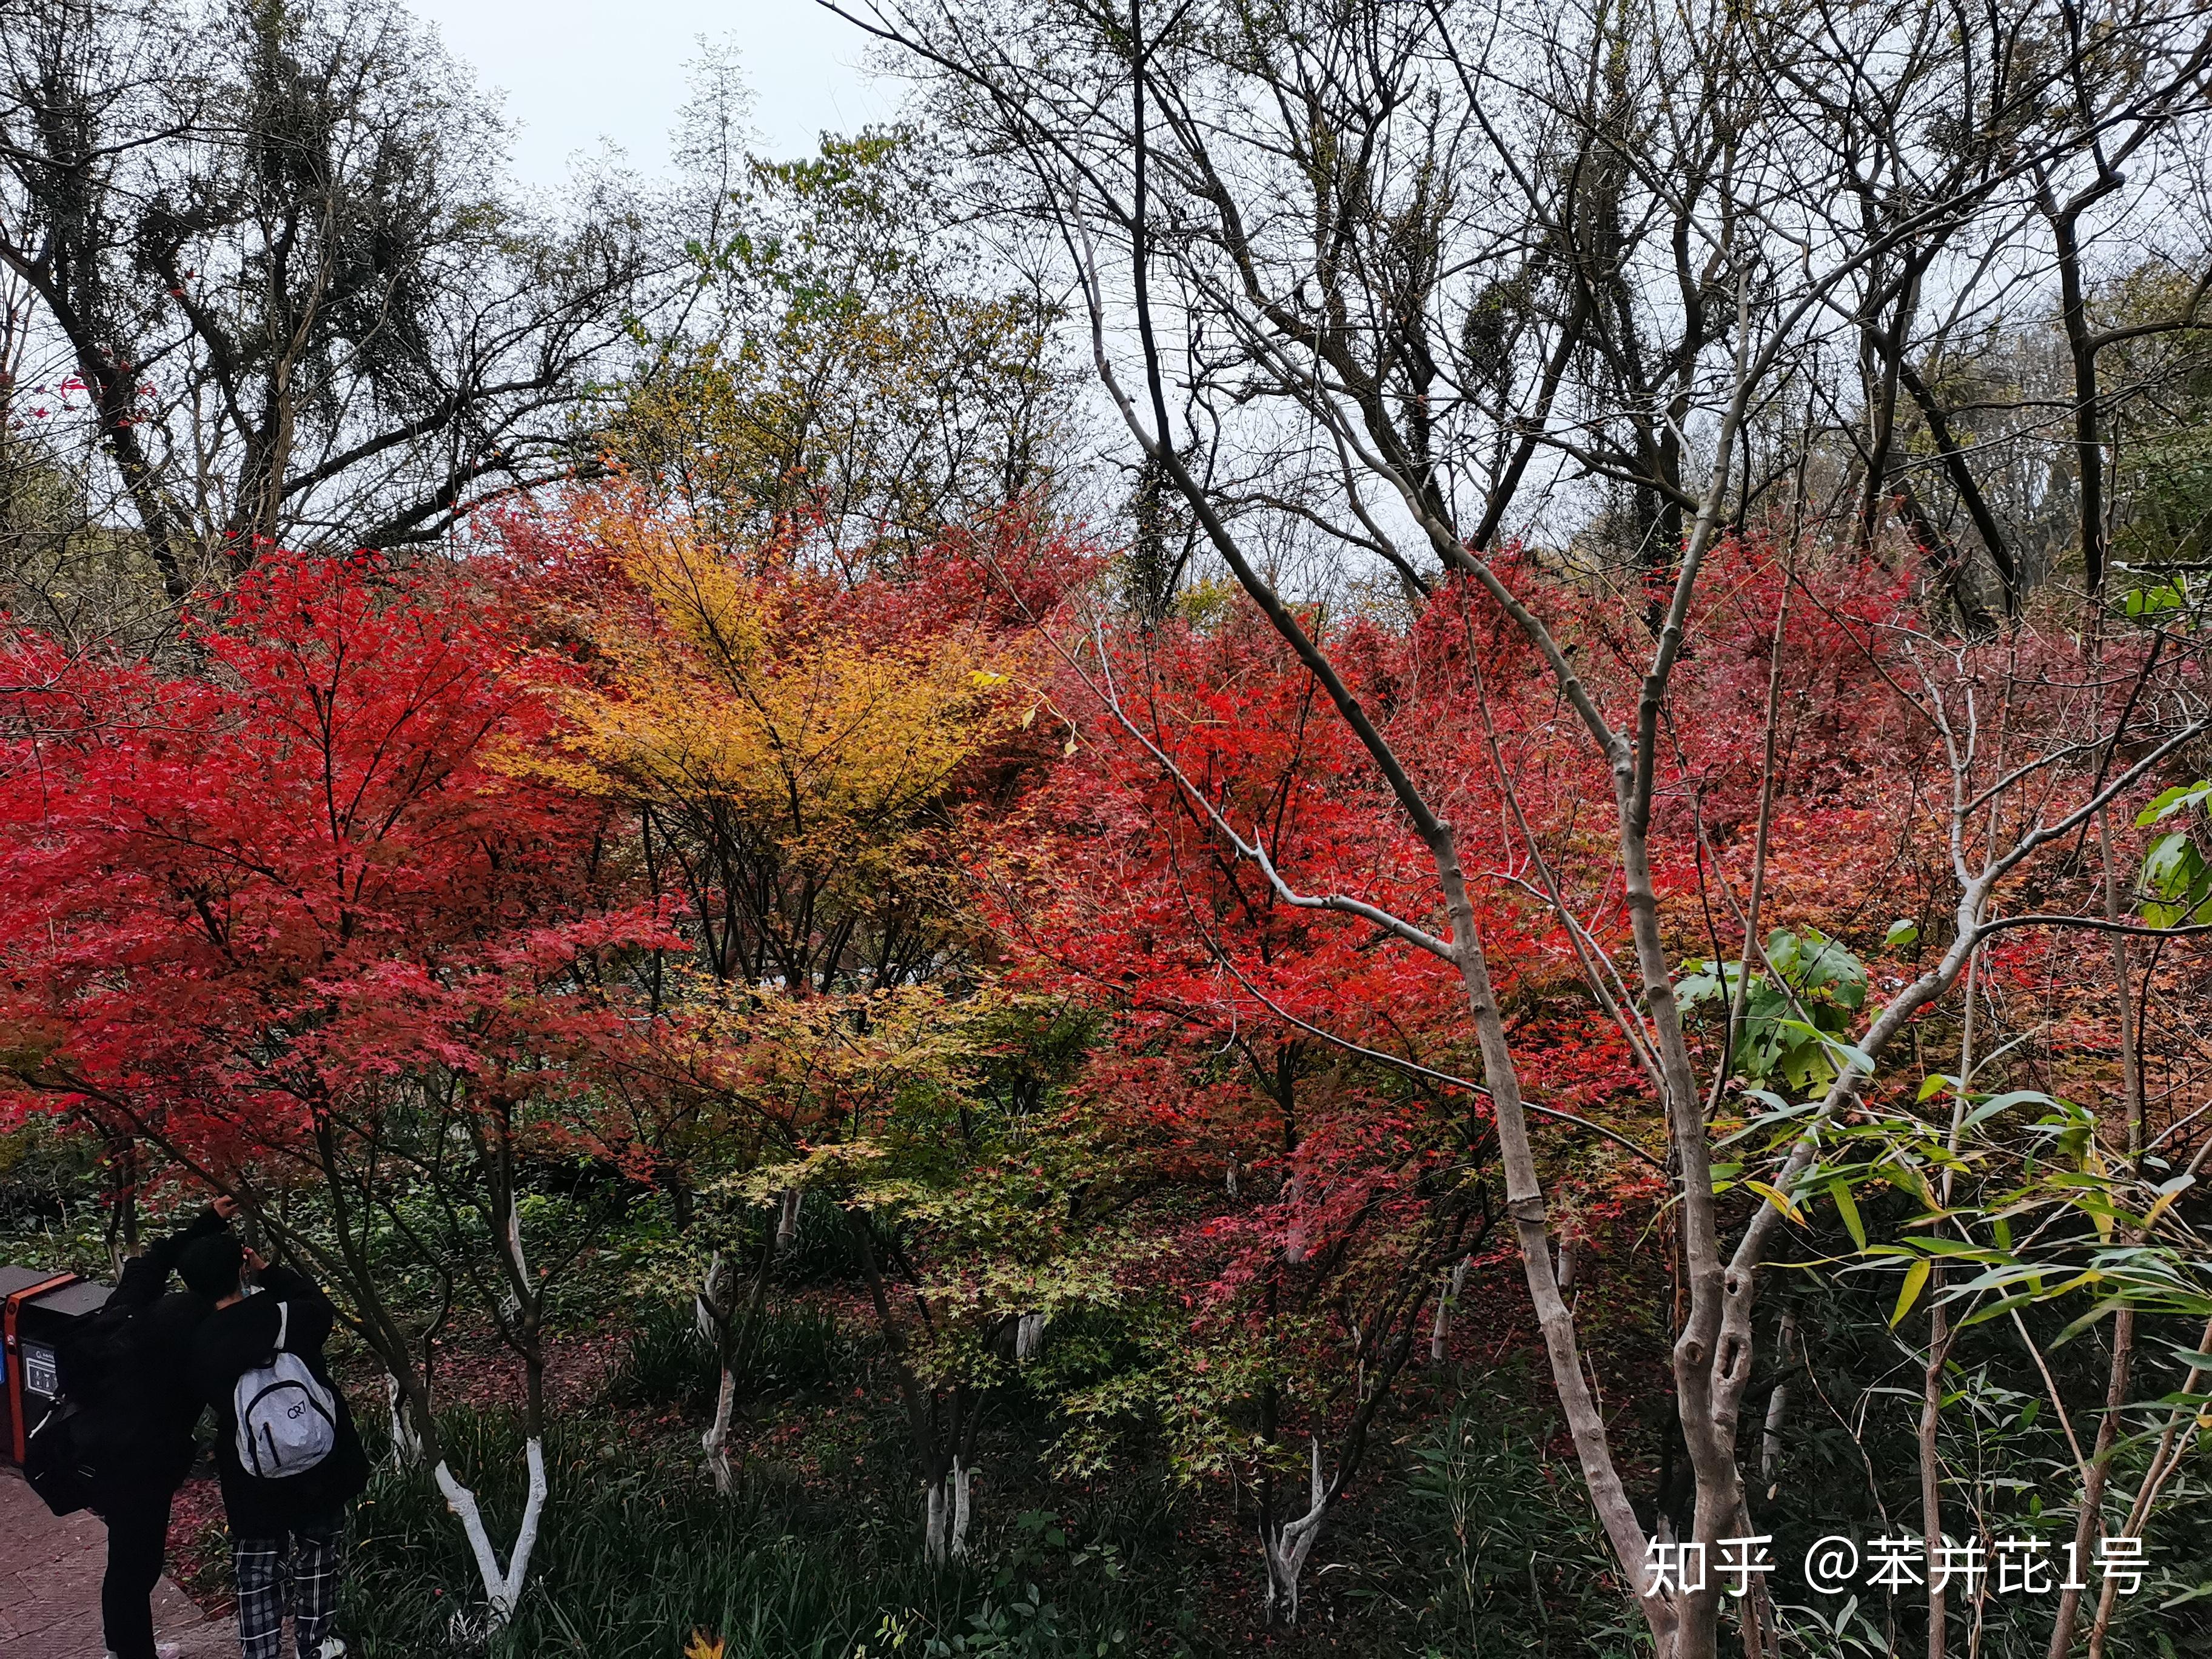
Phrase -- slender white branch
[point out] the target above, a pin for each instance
(502, 1588)
(1253, 850)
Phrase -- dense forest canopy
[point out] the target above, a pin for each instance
(1352, 817)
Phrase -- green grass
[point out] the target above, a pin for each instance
(1521, 1567)
(795, 1348)
(637, 1551)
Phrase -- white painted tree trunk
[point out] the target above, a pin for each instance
(406, 1439)
(716, 1440)
(786, 1220)
(932, 1523)
(513, 1298)
(944, 1512)
(962, 1476)
(709, 1308)
(1778, 1412)
(1029, 1337)
(715, 1306)
(1284, 1553)
(1447, 1299)
(502, 1588)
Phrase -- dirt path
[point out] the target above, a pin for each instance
(50, 1588)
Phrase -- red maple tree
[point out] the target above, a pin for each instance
(296, 914)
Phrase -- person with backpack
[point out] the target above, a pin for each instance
(289, 1456)
(131, 1413)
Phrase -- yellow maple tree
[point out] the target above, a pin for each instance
(804, 752)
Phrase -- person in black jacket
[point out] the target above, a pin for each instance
(284, 1531)
(137, 1428)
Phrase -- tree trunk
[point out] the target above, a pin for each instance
(1294, 1231)
(1447, 1299)
(406, 1436)
(730, 1330)
(1961, 474)
(786, 1220)
(2081, 353)
(123, 1191)
(944, 1513)
(2088, 1525)
(1777, 1412)
(715, 1443)
(963, 1477)
(502, 1586)
(1029, 1337)
(1283, 1547)
(2131, 1087)
(522, 1326)
(714, 1308)
(2173, 1445)
(1931, 1470)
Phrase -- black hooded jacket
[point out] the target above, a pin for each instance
(239, 1339)
(141, 1407)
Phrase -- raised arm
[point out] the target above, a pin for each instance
(147, 1274)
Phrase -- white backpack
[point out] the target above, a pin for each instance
(287, 1421)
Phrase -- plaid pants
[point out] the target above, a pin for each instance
(297, 1574)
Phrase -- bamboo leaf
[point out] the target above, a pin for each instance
(2165, 1202)
(1847, 1208)
(1780, 1199)
(1915, 1277)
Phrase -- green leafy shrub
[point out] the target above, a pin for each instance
(793, 1349)
(1524, 1568)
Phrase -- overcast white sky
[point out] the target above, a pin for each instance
(577, 71)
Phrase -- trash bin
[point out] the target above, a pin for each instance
(37, 1307)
